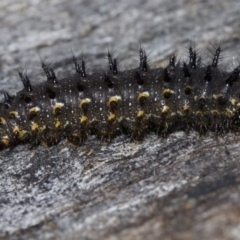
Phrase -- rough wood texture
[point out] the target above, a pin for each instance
(182, 187)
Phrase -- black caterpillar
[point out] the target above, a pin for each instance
(185, 95)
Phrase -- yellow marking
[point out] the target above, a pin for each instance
(111, 117)
(75, 135)
(2, 120)
(34, 126)
(20, 132)
(84, 101)
(214, 111)
(186, 107)
(57, 124)
(168, 90)
(140, 113)
(143, 94)
(34, 110)
(165, 109)
(5, 140)
(57, 106)
(16, 129)
(83, 119)
(216, 96)
(233, 101)
(43, 127)
(195, 98)
(113, 99)
(238, 105)
(14, 113)
(229, 112)
(199, 112)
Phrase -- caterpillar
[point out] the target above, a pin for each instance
(184, 95)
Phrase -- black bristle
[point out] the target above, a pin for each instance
(83, 69)
(53, 75)
(46, 71)
(112, 63)
(115, 71)
(172, 63)
(80, 70)
(143, 60)
(77, 66)
(8, 100)
(233, 76)
(192, 58)
(216, 57)
(26, 82)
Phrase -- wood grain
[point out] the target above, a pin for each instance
(181, 187)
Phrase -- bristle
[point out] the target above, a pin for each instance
(112, 63)
(233, 76)
(7, 100)
(143, 60)
(26, 81)
(216, 57)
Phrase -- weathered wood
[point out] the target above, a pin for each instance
(181, 187)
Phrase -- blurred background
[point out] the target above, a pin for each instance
(50, 29)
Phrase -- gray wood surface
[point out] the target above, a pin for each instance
(181, 187)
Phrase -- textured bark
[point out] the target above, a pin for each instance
(181, 187)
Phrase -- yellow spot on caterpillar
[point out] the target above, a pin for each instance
(34, 126)
(14, 114)
(233, 101)
(20, 132)
(58, 106)
(199, 113)
(165, 109)
(140, 113)
(84, 101)
(2, 120)
(215, 112)
(186, 108)
(113, 99)
(34, 110)
(229, 113)
(111, 117)
(57, 124)
(83, 119)
(143, 95)
(167, 92)
(5, 140)
(216, 96)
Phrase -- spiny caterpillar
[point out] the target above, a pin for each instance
(185, 95)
